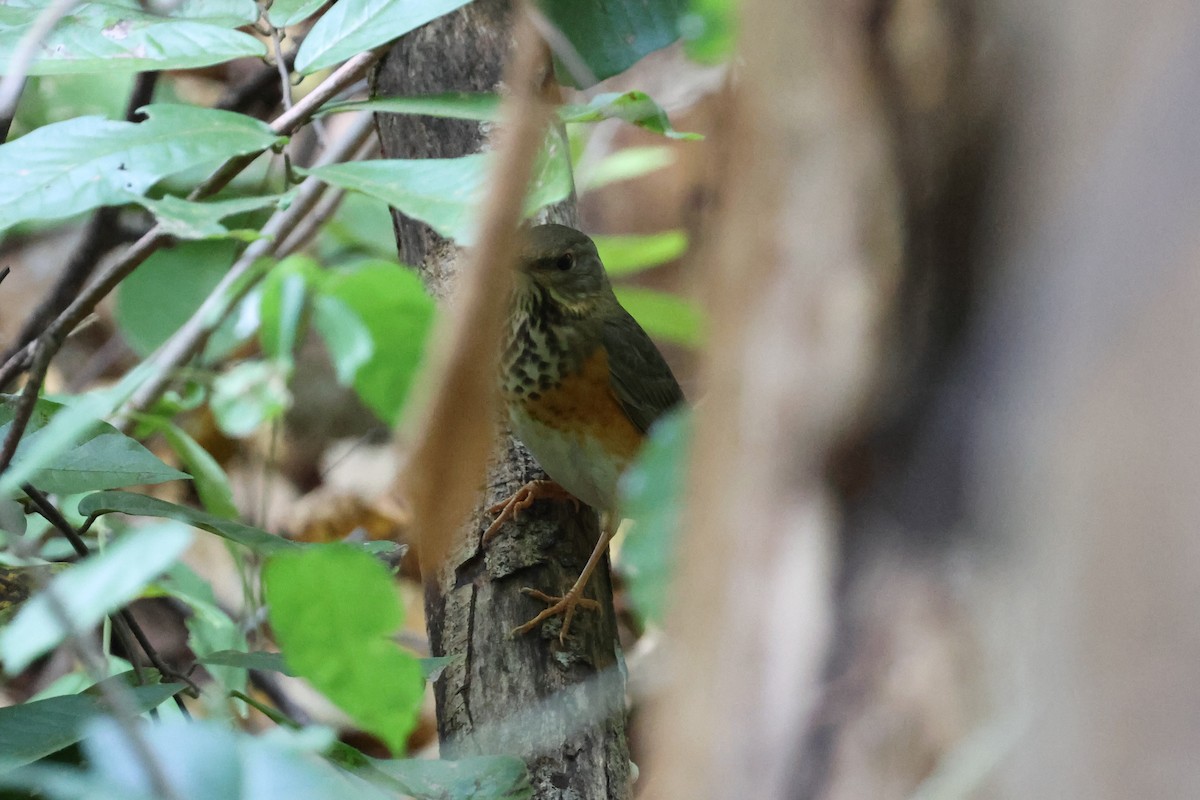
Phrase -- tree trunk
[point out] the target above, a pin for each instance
(559, 707)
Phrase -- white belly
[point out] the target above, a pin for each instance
(576, 462)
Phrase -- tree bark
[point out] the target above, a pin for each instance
(559, 707)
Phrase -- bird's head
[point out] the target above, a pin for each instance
(564, 262)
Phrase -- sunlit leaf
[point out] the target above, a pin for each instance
(623, 165)
(709, 29)
(353, 26)
(334, 610)
(115, 36)
(664, 316)
(391, 304)
(69, 167)
(480, 106)
(624, 255)
(652, 496)
(140, 505)
(89, 590)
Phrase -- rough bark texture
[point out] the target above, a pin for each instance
(561, 708)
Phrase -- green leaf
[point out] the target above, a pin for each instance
(479, 778)
(185, 219)
(633, 107)
(334, 610)
(210, 629)
(623, 165)
(610, 35)
(210, 481)
(289, 12)
(118, 37)
(709, 29)
(69, 167)
(67, 428)
(281, 308)
(652, 495)
(445, 192)
(31, 731)
(392, 305)
(349, 340)
(143, 506)
(625, 255)
(664, 316)
(361, 227)
(354, 26)
(54, 98)
(480, 106)
(250, 394)
(89, 590)
(96, 456)
(163, 293)
(261, 660)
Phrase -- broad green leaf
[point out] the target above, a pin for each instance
(480, 106)
(625, 255)
(361, 227)
(479, 778)
(54, 98)
(334, 610)
(250, 394)
(143, 506)
(445, 192)
(392, 305)
(261, 660)
(664, 316)
(652, 495)
(66, 428)
(354, 26)
(115, 37)
(633, 107)
(610, 35)
(94, 455)
(709, 29)
(623, 165)
(89, 590)
(289, 12)
(185, 219)
(348, 338)
(210, 480)
(161, 294)
(31, 731)
(69, 167)
(281, 310)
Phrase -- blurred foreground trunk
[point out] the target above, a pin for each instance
(561, 708)
(943, 531)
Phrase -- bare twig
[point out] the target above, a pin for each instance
(17, 68)
(24, 410)
(192, 334)
(155, 238)
(454, 438)
(4, 273)
(123, 620)
(326, 208)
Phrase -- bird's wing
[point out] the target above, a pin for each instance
(640, 378)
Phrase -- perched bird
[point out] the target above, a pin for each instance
(582, 383)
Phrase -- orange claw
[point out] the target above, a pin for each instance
(522, 499)
(564, 605)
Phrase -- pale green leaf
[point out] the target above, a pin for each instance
(249, 395)
(634, 107)
(284, 13)
(480, 106)
(185, 219)
(348, 338)
(210, 480)
(626, 164)
(664, 316)
(69, 167)
(89, 590)
(478, 778)
(353, 26)
(625, 255)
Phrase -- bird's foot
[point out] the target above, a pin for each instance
(564, 605)
(524, 497)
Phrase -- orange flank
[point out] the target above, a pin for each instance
(584, 403)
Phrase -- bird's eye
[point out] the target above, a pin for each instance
(565, 261)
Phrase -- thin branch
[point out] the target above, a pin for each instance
(18, 66)
(122, 618)
(152, 240)
(190, 337)
(453, 440)
(4, 273)
(24, 410)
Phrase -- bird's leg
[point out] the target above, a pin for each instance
(566, 604)
(523, 499)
